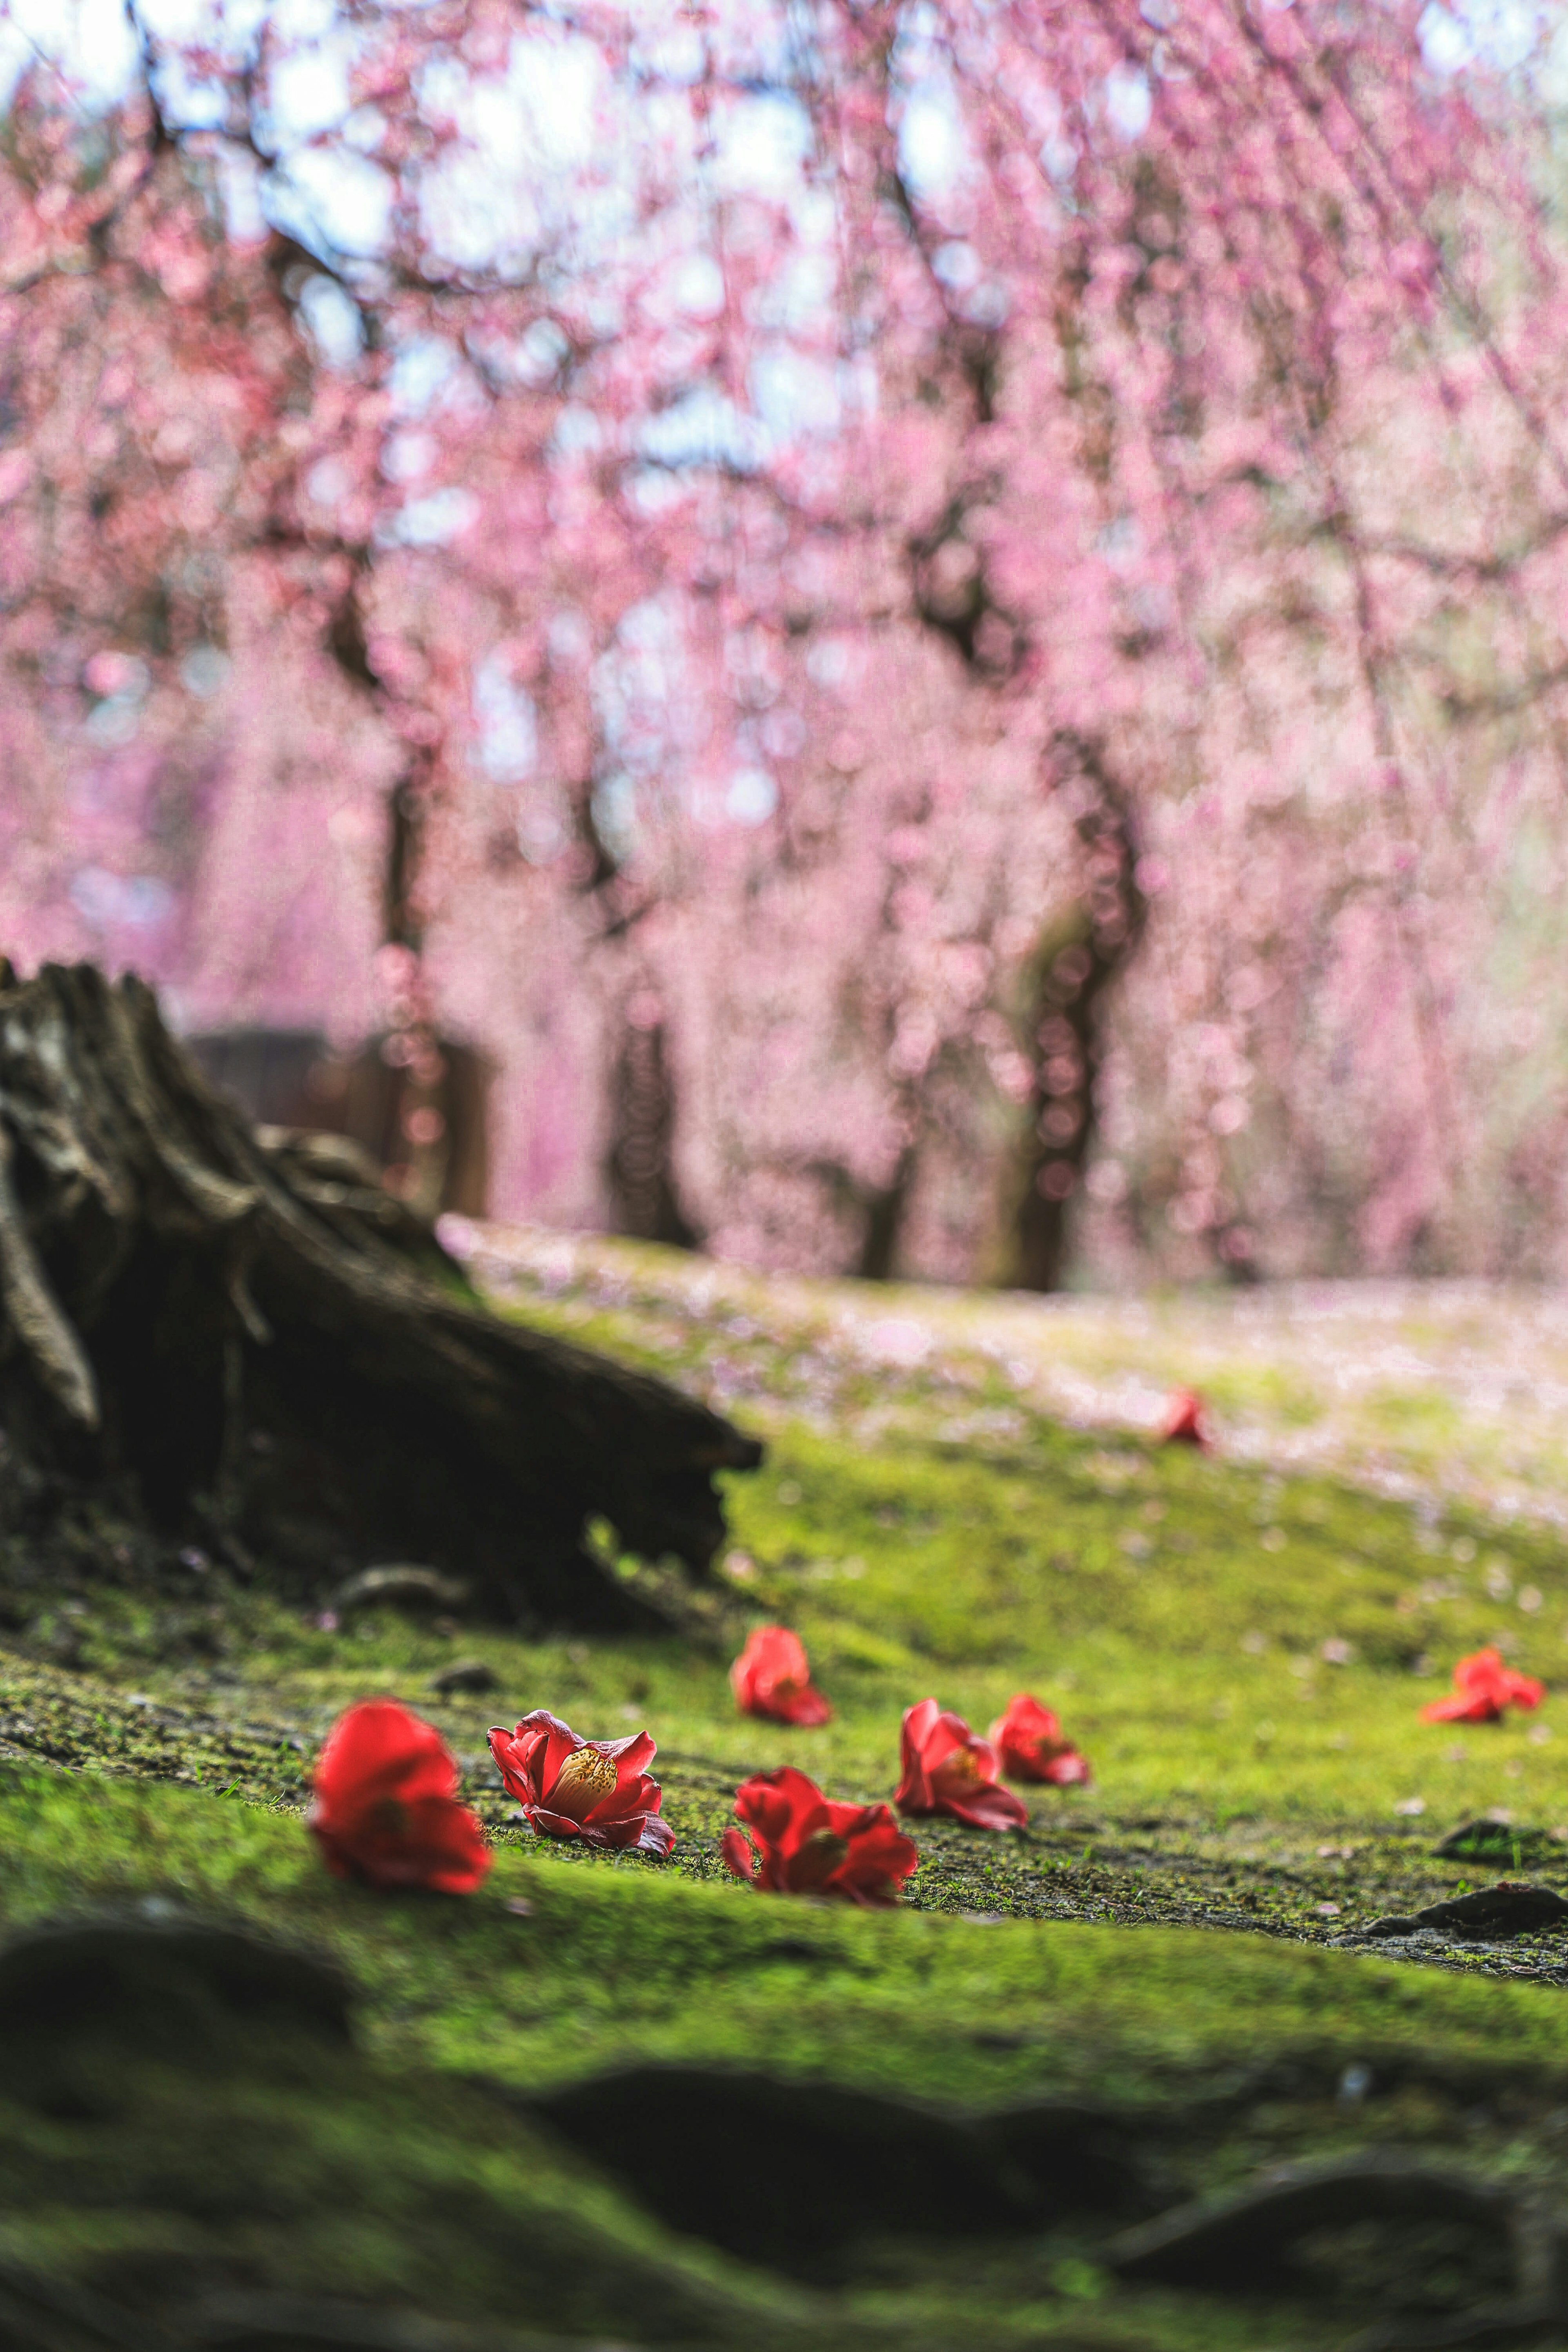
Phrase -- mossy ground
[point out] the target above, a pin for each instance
(1241, 1654)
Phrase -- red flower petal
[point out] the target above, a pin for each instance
(740, 1854)
(385, 1807)
(1483, 1687)
(595, 1789)
(948, 1770)
(1029, 1739)
(1461, 1710)
(772, 1677)
(807, 1844)
(1186, 1420)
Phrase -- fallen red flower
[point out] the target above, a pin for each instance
(772, 1677)
(596, 1789)
(386, 1808)
(1483, 1687)
(1186, 1421)
(1029, 1739)
(808, 1844)
(948, 1769)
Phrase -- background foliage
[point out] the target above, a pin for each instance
(938, 626)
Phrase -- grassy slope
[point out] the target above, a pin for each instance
(1174, 1608)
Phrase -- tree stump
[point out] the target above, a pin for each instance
(236, 1331)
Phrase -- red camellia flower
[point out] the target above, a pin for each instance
(1483, 1686)
(1186, 1420)
(596, 1789)
(386, 1808)
(1029, 1739)
(807, 1844)
(948, 1769)
(772, 1677)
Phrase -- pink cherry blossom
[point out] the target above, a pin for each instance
(942, 641)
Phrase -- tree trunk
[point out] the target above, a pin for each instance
(242, 1334)
(1072, 965)
(640, 1166)
(884, 1214)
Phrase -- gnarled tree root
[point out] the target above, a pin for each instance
(243, 1332)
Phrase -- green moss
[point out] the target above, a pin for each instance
(614, 1958)
(389, 2179)
(1242, 1655)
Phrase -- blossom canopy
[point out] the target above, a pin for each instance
(772, 1677)
(807, 1843)
(596, 1789)
(1028, 1740)
(948, 1769)
(386, 1808)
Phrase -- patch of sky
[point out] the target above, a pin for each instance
(307, 94)
(697, 288)
(957, 265)
(578, 434)
(705, 428)
(186, 101)
(649, 626)
(508, 725)
(761, 144)
(1551, 73)
(988, 305)
(796, 398)
(540, 352)
(653, 491)
(138, 900)
(798, 295)
(828, 662)
(670, 52)
(331, 320)
(16, 54)
(1503, 35)
(537, 160)
(1129, 101)
(345, 200)
(302, 20)
(531, 361)
(1120, 542)
(751, 797)
(613, 808)
(440, 87)
(328, 480)
(92, 41)
(433, 520)
(204, 670)
(190, 20)
(419, 372)
(365, 129)
(471, 222)
(407, 456)
(933, 156)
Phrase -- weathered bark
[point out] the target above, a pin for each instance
(640, 1165)
(884, 1214)
(1073, 964)
(238, 1331)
